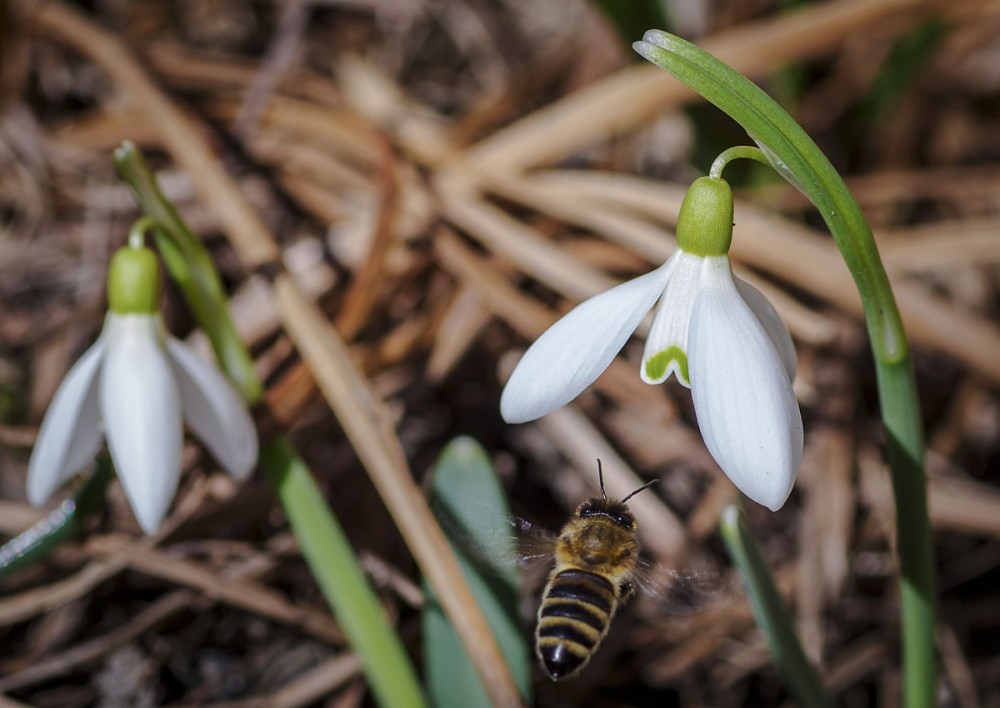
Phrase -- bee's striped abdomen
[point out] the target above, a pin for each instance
(574, 616)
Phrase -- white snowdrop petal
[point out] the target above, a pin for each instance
(573, 352)
(142, 416)
(773, 325)
(70, 434)
(214, 411)
(666, 345)
(746, 410)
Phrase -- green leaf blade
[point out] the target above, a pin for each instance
(473, 509)
(772, 616)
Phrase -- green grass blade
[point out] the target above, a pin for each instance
(61, 524)
(772, 616)
(341, 579)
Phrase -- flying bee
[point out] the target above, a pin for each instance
(596, 570)
(596, 562)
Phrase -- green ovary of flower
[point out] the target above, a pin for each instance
(705, 222)
(656, 366)
(134, 281)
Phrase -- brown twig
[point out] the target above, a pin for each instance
(360, 296)
(308, 688)
(89, 652)
(246, 594)
(280, 55)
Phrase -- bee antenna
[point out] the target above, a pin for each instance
(647, 485)
(600, 477)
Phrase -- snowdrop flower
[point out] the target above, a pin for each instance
(135, 386)
(718, 335)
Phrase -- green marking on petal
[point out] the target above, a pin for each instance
(657, 365)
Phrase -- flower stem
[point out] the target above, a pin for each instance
(137, 232)
(322, 540)
(797, 158)
(735, 153)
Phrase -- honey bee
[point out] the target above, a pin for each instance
(596, 562)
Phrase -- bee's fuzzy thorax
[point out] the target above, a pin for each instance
(599, 544)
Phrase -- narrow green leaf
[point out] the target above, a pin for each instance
(61, 524)
(339, 575)
(772, 617)
(472, 508)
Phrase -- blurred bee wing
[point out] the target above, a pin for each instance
(534, 544)
(680, 593)
(516, 545)
(520, 551)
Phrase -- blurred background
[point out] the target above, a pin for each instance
(445, 178)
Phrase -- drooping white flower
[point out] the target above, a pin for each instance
(135, 387)
(717, 334)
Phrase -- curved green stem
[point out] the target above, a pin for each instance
(797, 158)
(137, 232)
(744, 152)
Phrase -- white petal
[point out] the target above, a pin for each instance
(775, 328)
(142, 415)
(746, 410)
(667, 343)
(70, 434)
(214, 411)
(573, 352)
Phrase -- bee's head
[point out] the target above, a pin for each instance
(614, 511)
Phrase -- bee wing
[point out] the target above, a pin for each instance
(517, 545)
(677, 592)
(480, 534)
(535, 544)
(524, 548)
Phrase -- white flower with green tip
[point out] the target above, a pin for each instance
(717, 334)
(136, 386)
